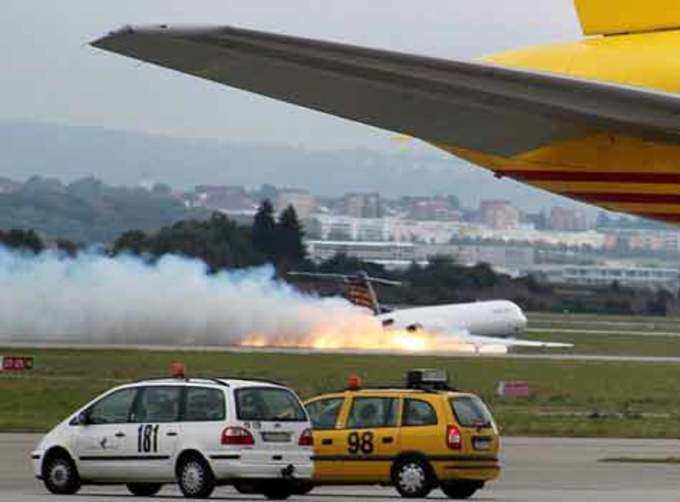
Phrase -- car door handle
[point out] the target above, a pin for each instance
(171, 434)
(120, 434)
(326, 441)
(388, 440)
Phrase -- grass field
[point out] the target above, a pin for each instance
(608, 335)
(611, 344)
(570, 398)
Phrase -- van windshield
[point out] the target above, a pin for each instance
(471, 411)
(268, 404)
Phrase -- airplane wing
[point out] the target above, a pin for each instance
(482, 341)
(476, 106)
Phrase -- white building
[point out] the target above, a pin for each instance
(508, 258)
(391, 255)
(631, 277)
(337, 227)
(532, 236)
(511, 259)
(303, 202)
(430, 232)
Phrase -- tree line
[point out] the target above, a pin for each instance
(278, 239)
(88, 210)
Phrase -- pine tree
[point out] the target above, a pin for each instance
(264, 230)
(291, 249)
(25, 240)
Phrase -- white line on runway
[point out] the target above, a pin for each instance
(275, 350)
(603, 332)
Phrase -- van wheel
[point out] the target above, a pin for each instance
(460, 490)
(278, 491)
(302, 488)
(60, 475)
(144, 489)
(195, 479)
(413, 478)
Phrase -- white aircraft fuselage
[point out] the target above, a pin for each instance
(499, 318)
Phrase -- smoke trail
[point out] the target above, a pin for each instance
(99, 299)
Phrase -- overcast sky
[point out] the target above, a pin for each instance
(47, 71)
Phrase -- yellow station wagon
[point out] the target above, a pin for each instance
(416, 438)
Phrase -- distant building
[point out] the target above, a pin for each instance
(224, 198)
(9, 186)
(303, 202)
(362, 205)
(391, 255)
(339, 228)
(511, 259)
(428, 232)
(655, 241)
(514, 258)
(564, 219)
(590, 238)
(603, 276)
(432, 209)
(499, 214)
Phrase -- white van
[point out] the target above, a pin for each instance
(199, 433)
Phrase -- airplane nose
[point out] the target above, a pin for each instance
(522, 322)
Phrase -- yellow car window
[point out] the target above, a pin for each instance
(370, 412)
(471, 411)
(324, 413)
(418, 413)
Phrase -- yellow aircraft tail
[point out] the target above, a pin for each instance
(612, 17)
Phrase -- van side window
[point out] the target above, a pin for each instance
(158, 404)
(204, 405)
(370, 412)
(418, 413)
(114, 408)
(324, 413)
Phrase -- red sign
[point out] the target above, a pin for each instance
(16, 363)
(516, 390)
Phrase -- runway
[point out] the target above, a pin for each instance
(600, 332)
(286, 350)
(533, 470)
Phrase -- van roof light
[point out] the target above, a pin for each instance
(178, 370)
(353, 382)
(435, 379)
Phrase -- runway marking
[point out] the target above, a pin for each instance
(636, 460)
(305, 351)
(603, 332)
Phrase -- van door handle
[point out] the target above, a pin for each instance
(326, 441)
(120, 434)
(171, 434)
(388, 440)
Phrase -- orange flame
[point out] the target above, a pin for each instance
(367, 334)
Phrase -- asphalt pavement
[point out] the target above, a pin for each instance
(534, 469)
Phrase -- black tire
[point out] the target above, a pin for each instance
(60, 475)
(413, 478)
(195, 478)
(246, 488)
(302, 488)
(278, 491)
(460, 490)
(144, 489)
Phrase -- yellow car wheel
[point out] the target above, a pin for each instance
(460, 490)
(413, 477)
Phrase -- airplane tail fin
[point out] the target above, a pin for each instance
(361, 293)
(605, 17)
(360, 290)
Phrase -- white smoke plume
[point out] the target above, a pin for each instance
(98, 299)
